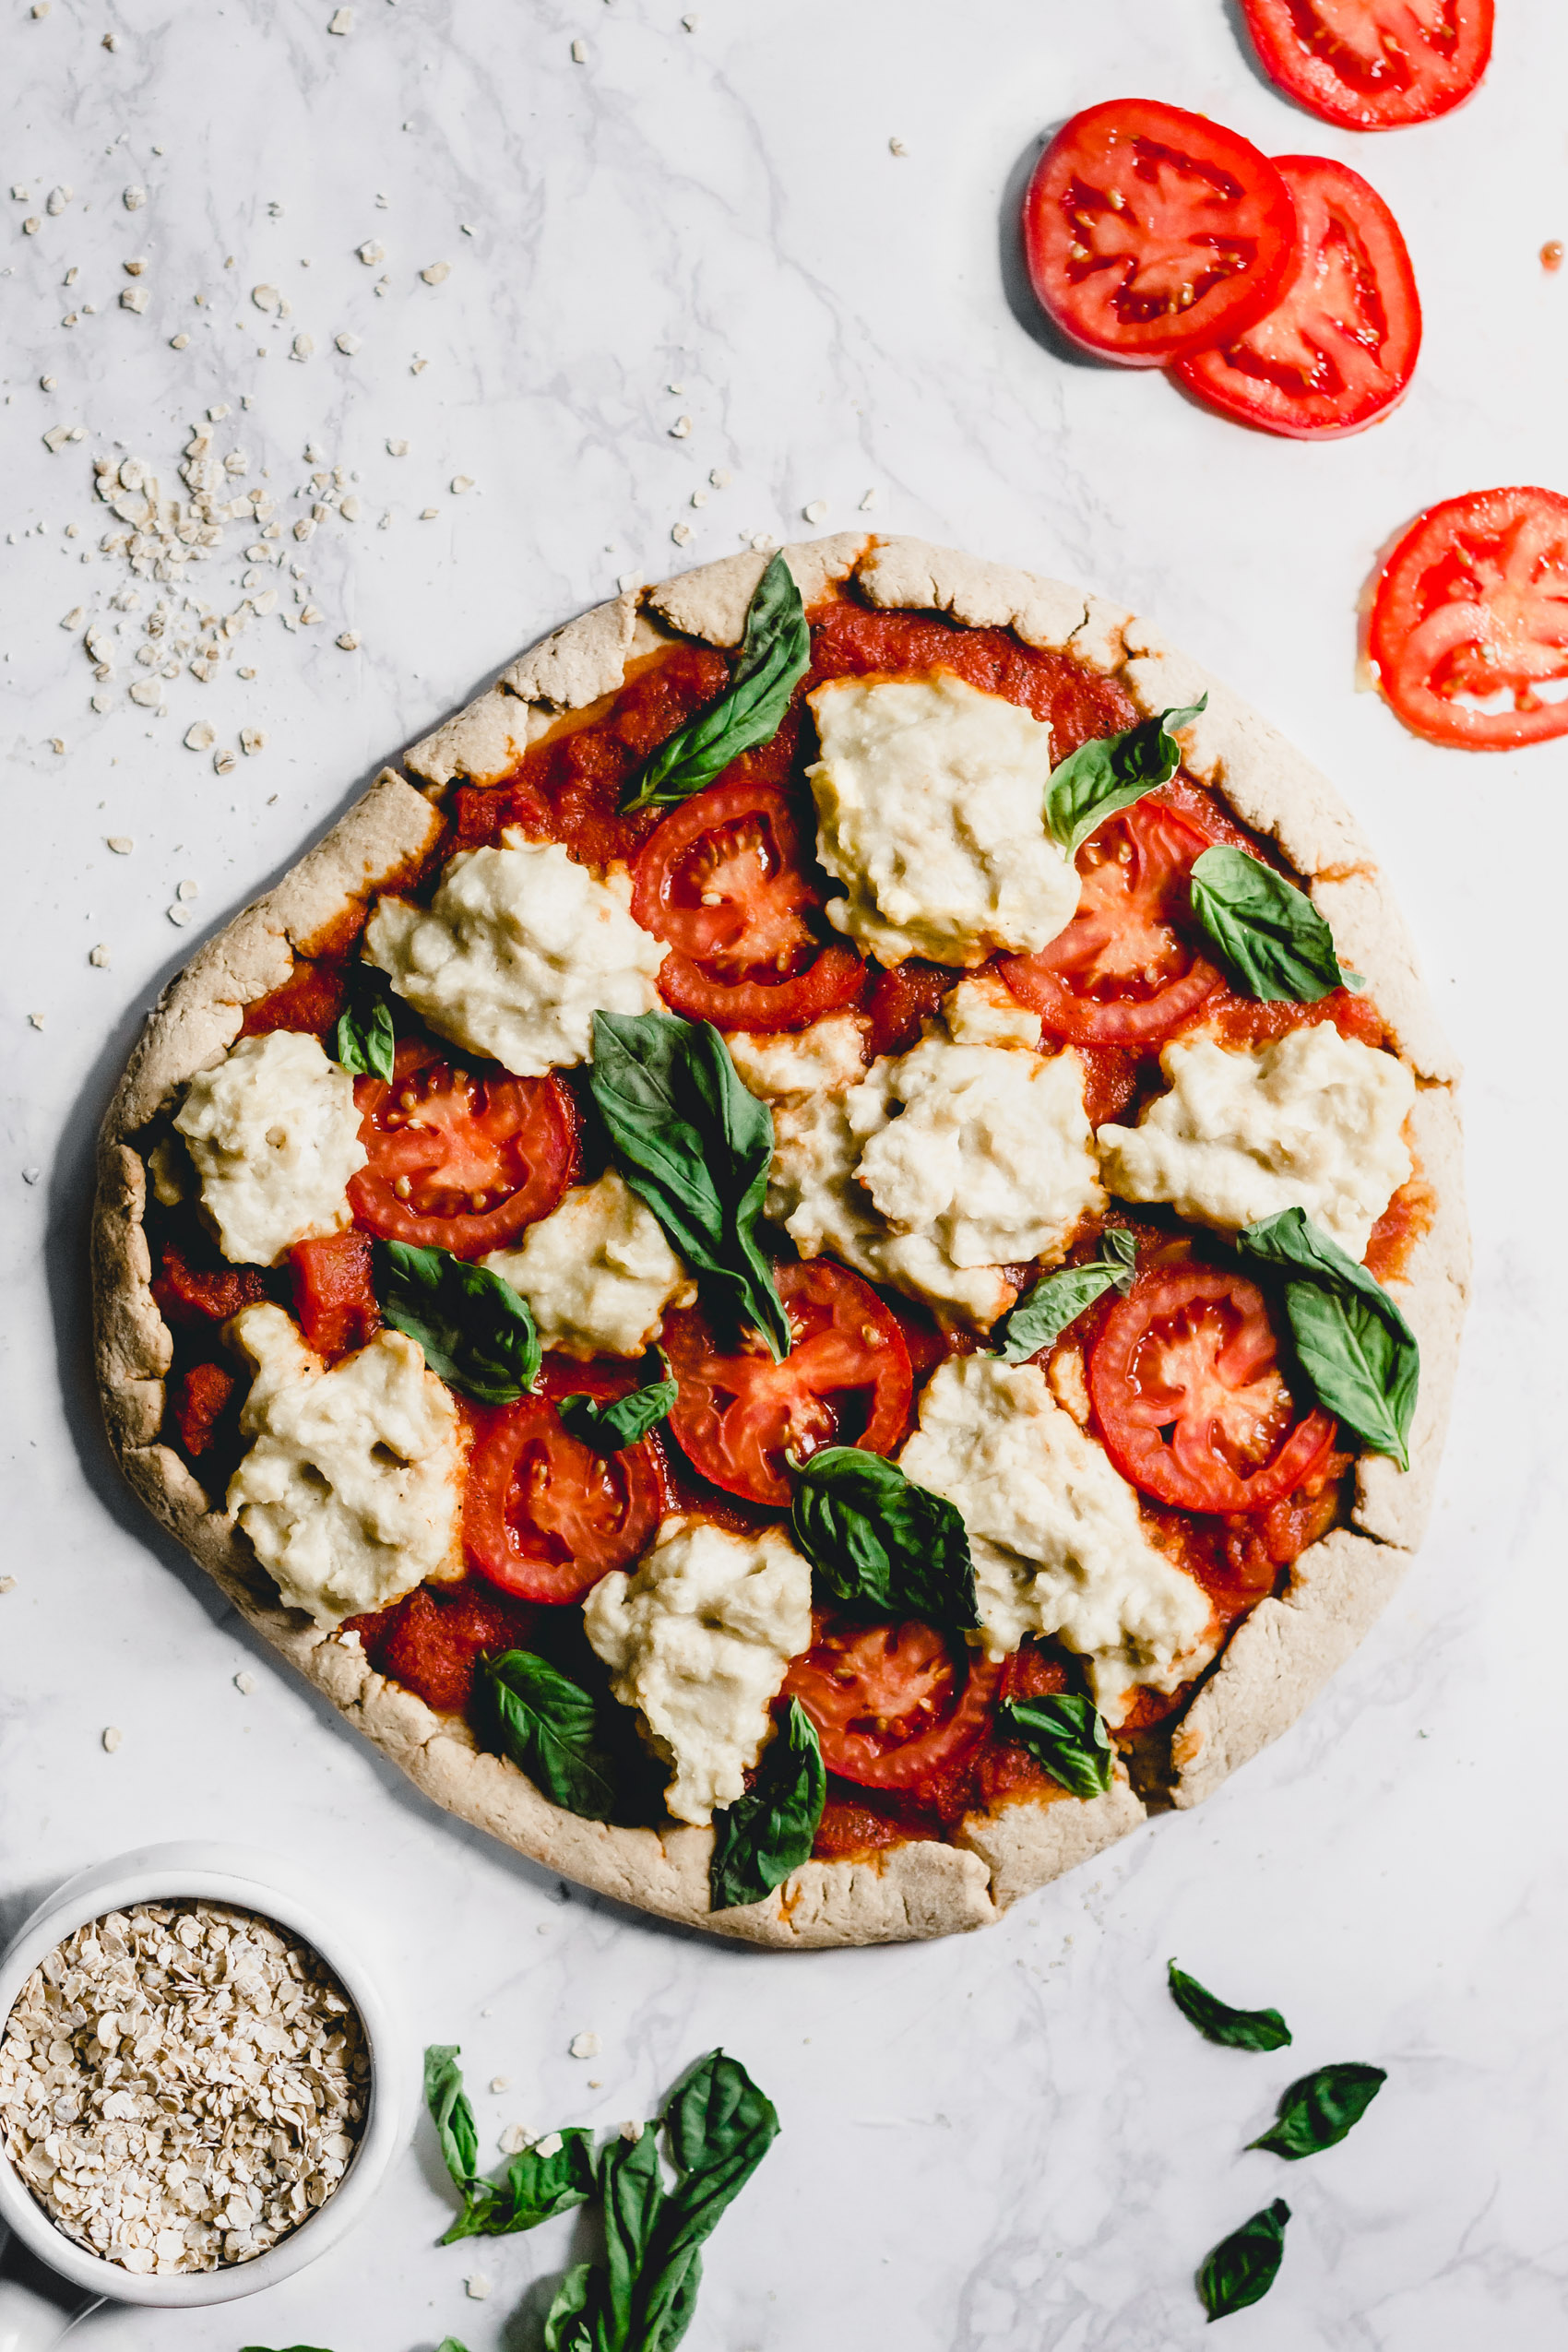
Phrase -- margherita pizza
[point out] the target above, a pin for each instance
(816, 1262)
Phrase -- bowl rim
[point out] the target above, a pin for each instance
(277, 1891)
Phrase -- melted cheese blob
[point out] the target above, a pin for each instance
(698, 1639)
(825, 1058)
(1058, 1545)
(930, 811)
(596, 1272)
(1311, 1122)
(350, 1492)
(274, 1137)
(520, 947)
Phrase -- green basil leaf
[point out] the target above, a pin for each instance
(539, 2187)
(1067, 1735)
(1058, 1299)
(720, 2127)
(450, 2111)
(768, 1833)
(476, 1331)
(774, 658)
(1243, 2266)
(1218, 2022)
(696, 1146)
(484, 2213)
(548, 1722)
(364, 1041)
(1275, 945)
(570, 2323)
(1355, 1345)
(631, 2197)
(1110, 773)
(610, 1428)
(1316, 2112)
(879, 1541)
(450, 2344)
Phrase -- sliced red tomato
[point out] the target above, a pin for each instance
(1339, 349)
(1124, 970)
(544, 1516)
(194, 1285)
(901, 1000)
(1469, 623)
(1150, 232)
(334, 1295)
(892, 1705)
(1185, 1382)
(1374, 65)
(459, 1162)
(845, 1381)
(726, 880)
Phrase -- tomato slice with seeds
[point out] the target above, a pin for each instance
(1469, 623)
(1339, 350)
(1374, 65)
(1123, 971)
(1150, 231)
(544, 1516)
(1185, 1382)
(727, 880)
(459, 1162)
(845, 1381)
(892, 1705)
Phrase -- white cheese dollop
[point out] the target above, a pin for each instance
(698, 1639)
(349, 1493)
(1311, 1122)
(274, 1137)
(520, 947)
(596, 1272)
(1058, 1546)
(930, 811)
(825, 1058)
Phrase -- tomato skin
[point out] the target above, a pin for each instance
(1339, 350)
(845, 1381)
(201, 1399)
(1387, 80)
(1191, 1349)
(1119, 189)
(544, 1516)
(1474, 600)
(894, 1705)
(519, 1137)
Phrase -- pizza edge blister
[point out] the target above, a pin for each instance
(1282, 1653)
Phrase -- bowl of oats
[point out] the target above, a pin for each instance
(199, 2081)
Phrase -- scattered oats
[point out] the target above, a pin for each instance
(111, 1737)
(396, 448)
(680, 429)
(99, 702)
(350, 508)
(20, 193)
(57, 201)
(437, 274)
(32, 225)
(627, 582)
(134, 268)
(121, 843)
(579, 53)
(305, 528)
(342, 21)
(266, 298)
(110, 41)
(134, 198)
(179, 916)
(35, 1020)
(764, 542)
(223, 763)
(475, 2286)
(199, 737)
(370, 252)
(676, 389)
(896, 146)
(586, 2045)
(550, 2145)
(631, 2130)
(500, 2082)
(99, 956)
(8, 1584)
(720, 477)
(57, 746)
(691, 23)
(347, 642)
(461, 482)
(184, 890)
(418, 365)
(55, 439)
(73, 619)
(310, 613)
(178, 342)
(133, 298)
(514, 2138)
(348, 344)
(244, 1685)
(680, 534)
(699, 498)
(817, 512)
(467, 228)
(47, 383)
(246, 674)
(302, 347)
(41, 8)
(146, 691)
(868, 502)
(252, 740)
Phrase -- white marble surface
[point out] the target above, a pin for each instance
(1003, 2143)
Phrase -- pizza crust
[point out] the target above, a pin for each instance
(1282, 1654)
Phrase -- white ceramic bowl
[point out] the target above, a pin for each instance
(252, 1882)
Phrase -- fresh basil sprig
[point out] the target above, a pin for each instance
(1355, 1345)
(1243, 2266)
(549, 1724)
(1111, 772)
(775, 654)
(879, 1541)
(475, 1329)
(1058, 1299)
(1218, 2022)
(1316, 2112)
(764, 1834)
(610, 1429)
(1067, 1735)
(544, 2181)
(1272, 938)
(696, 1146)
(364, 1041)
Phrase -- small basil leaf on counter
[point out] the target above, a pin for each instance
(696, 1146)
(1268, 933)
(1316, 2112)
(476, 1331)
(1058, 1299)
(768, 1833)
(719, 2128)
(1243, 2266)
(548, 1722)
(364, 1041)
(450, 2111)
(775, 656)
(878, 1541)
(1354, 1343)
(1067, 1735)
(1111, 772)
(539, 2186)
(610, 1428)
(450, 2344)
(568, 2323)
(1218, 2022)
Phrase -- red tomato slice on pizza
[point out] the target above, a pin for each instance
(1338, 350)
(892, 1705)
(545, 1516)
(1150, 232)
(459, 1162)
(1374, 65)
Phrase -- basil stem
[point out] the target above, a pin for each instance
(1111, 772)
(774, 658)
(1218, 2022)
(548, 2179)
(1243, 2266)
(1316, 2112)
(768, 1833)
(1067, 1735)
(1353, 1341)
(475, 1329)
(879, 1541)
(1058, 1299)
(1273, 940)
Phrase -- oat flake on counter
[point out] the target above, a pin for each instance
(181, 2085)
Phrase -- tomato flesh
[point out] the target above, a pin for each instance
(431, 1640)
(189, 1292)
(310, 1000)
(201, 1399)
(1150, 231)
(459, 1162)
(334, 1294)
(1374, 65)
(1185, 1383)
(544, 1516)
(892, 1705)
(1469, 623)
